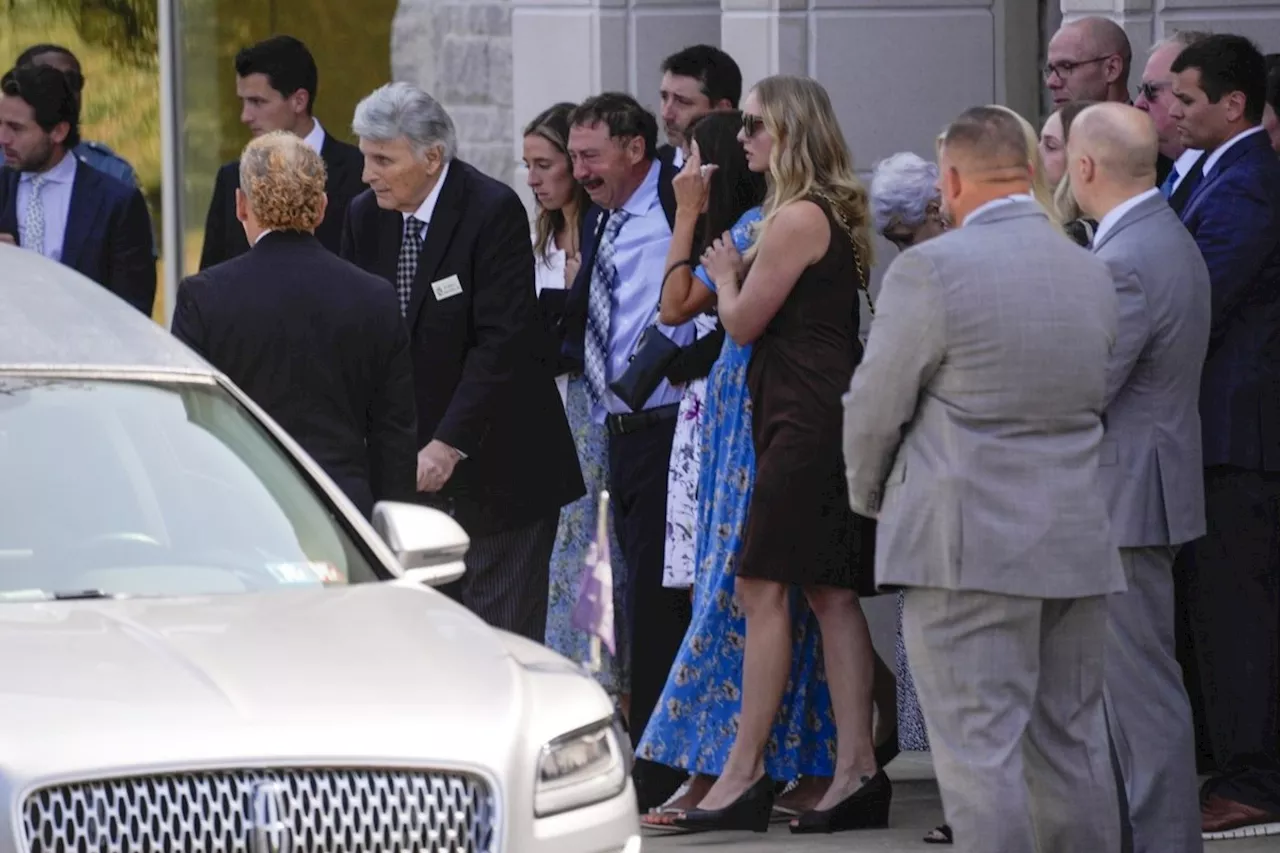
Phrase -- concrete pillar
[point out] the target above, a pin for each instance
(459, 51)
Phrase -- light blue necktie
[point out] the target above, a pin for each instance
(1166, 189)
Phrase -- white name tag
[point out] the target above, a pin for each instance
(446, 287)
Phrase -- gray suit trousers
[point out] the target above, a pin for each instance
(1147, 708)
(1012, 694)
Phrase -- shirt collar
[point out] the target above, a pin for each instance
(646, 195)
(997, 202)
(678, 159)
(428, 206)
(63, 173)
(1186, 161)
(1117, 213)
(315, 138)
(1213, 158)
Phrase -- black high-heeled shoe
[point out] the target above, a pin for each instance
(888, 750)
(750, 812)
(865, 808)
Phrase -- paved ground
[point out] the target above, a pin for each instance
(916, 809)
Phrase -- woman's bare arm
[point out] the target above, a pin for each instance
(683, 295)
(797, 237)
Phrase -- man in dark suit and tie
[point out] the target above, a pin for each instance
(55, 205)
(1233, 211)
(314, 340)
(495, 445)
(276, 82)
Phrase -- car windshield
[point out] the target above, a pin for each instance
(155, 488)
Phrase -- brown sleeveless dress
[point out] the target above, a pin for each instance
(800, 529)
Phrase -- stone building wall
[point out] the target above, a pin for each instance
(460, 51)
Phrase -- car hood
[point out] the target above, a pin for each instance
(382, 673)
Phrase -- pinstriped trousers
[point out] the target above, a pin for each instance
(507, 578)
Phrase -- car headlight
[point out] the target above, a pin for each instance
(582, 768)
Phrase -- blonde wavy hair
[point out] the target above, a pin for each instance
(810, 157)
(283, 178)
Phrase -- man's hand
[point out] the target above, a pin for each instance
(436, 462)
(8, 238)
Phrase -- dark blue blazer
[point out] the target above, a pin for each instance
(320, 345)
(1234, 215)
(108, 236)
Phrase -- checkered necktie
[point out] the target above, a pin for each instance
(407, 266)
(33, 218)
(604, 279)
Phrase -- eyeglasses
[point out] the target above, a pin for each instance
(751, 125)
(1066, 67)
(1151, 91)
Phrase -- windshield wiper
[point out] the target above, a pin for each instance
(80, 594)
(56, 595)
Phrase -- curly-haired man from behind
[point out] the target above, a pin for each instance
(313, 339)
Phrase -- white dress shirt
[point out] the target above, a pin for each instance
(428, 206)
(1183, 165)
(315, 139)
(55, 195)
(1113, 216)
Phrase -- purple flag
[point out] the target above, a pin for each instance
(593, 612)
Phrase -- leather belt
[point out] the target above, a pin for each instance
(636, 421)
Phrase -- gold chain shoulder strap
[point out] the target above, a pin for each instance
(863, 283)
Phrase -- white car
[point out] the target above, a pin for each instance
(206, 648)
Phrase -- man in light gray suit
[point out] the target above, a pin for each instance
(1150, 468)
(972, 431)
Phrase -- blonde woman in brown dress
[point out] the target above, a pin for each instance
(795, 299)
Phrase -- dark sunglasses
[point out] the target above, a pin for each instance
(751, 125)
(1151, 91)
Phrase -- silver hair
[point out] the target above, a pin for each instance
(1182, 38)
(400, 110)
(902, 187)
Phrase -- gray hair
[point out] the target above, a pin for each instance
(902, 187)
(400, 110)
(1182, 38)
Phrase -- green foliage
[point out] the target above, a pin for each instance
(127, 29)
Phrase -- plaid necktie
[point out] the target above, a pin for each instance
(604, 278)
(33, 218)
(407, 265)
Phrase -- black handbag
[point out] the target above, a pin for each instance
(648, 364)
(646, 368)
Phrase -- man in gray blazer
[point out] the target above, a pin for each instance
(972, 431)
(1150, 467)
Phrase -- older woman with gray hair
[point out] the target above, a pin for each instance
(495, 448)
(905, 204)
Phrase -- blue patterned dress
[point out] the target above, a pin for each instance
(696, 719)
(574, 535)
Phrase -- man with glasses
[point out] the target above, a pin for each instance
(1088, 60)
(1155, 97)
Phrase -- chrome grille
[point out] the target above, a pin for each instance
(307, 811)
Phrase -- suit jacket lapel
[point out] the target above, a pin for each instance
(9, 203)
(1225, 162)
(81, 216)
(390, 227)
(335, 167)
(1137, 213)
(444, 220)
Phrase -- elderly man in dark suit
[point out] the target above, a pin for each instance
(314, 340)
(495, 445)
(276, 81)
(1233, 212)
(53, 204)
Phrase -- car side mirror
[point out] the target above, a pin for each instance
(428, 543)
